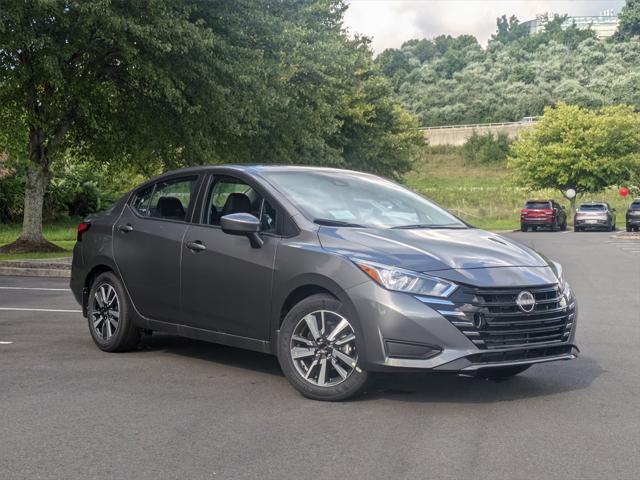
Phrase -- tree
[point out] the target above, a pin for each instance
(509, 29)
(629, 21)
(572, 147)
(164, 83)
(108, 79)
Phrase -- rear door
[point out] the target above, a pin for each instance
(147, 242)
(226, 284)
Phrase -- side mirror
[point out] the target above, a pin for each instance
(243, 224)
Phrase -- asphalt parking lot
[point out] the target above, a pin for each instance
(182, 409)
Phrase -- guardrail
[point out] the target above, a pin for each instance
(529, 121)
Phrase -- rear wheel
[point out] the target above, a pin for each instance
(576, 229)
(317, 350)
(498, 373)
(110, 323)
(629, 229)
(523, 228)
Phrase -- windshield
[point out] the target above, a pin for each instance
(635, 206)
(358, 200)
(592, 208)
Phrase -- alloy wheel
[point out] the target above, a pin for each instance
(323, 348)
(105, 312)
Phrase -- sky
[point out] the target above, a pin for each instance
(389, 23)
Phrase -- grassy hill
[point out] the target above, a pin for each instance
(485, 195)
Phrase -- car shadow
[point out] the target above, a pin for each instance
(210, 352)
(539, 381)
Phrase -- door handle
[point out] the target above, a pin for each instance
(196, 246)
(125, 228)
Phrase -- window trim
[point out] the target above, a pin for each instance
(210, 182)
(190, 209)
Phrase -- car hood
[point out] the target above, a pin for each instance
(430, 250)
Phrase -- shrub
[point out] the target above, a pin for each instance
(487, 148)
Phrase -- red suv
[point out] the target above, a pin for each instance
(543, 213)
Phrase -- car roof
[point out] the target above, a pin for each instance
(255, 168)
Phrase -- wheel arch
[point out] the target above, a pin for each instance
(299, 289)
(99, 266)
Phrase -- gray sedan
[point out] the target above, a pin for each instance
(340, 274)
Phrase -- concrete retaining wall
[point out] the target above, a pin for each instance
(458, 135)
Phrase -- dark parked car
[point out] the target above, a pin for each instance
(338, 273)
(543, 213)
(633, 216)
(595, 216)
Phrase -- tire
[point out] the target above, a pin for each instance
(498, 373)
(564, 226)
(576, 229)
(111, 327)
(555, 227)
(340, 383)
(523, 228)
(629, 229)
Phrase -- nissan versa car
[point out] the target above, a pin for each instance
(633, 216)
(340, 274)
(543, 214)
(595, 215)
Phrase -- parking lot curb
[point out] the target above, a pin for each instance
(34, 272)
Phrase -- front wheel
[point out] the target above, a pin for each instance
(110, 323)
(317, 350)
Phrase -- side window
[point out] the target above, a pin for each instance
(171, 198)
(141, 201)
(231, 195)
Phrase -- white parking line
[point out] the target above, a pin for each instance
(37, 288)
(17, 309)
(5, 343)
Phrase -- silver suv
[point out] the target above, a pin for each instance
(595, 215)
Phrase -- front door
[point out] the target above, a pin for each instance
(147, 243)
(226, 284)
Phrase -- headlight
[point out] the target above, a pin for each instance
(401, 280)
(564, 285)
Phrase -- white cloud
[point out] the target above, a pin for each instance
(391, 22)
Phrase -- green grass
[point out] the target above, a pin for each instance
(62, 233)
(486, 195)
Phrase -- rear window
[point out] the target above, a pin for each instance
(538, 205)
(592, 208)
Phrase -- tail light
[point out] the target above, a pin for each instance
(82, 227)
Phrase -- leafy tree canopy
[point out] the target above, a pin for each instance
(164, 83)
(572, 147)
(629, 20)
(515, 76)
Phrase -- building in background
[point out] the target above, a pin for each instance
(603, 25)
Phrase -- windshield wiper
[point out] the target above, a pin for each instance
(427, 225)
(327, 222)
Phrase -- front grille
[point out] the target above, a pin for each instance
(491, 318)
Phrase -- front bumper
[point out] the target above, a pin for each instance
(633, 221)
(389, 318)
(591, 222)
